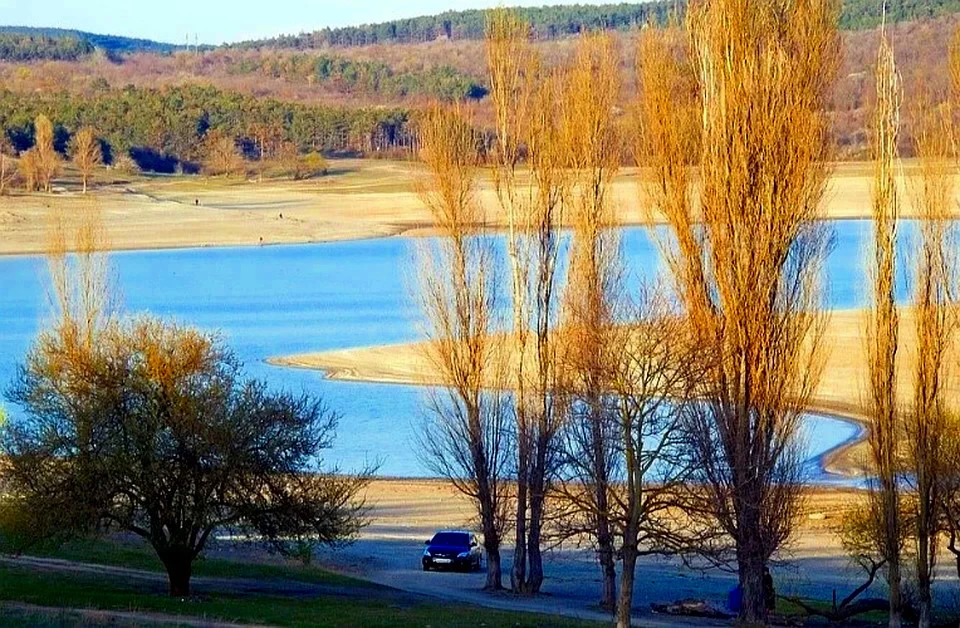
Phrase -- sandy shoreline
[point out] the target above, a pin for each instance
(385, 495)
(363, 199)
(359, 199)
(839, 393)
(413, 508)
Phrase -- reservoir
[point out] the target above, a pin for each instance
(282, 300)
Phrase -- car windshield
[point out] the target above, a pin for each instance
(457, 539)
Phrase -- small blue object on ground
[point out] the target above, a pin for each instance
(734, 600)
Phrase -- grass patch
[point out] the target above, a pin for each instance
(136, 554)
(371, 609)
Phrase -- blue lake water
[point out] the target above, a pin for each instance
(273, 301)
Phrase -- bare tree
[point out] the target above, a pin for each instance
(526, 103)
(265, 135)
(41, 163)
(49, 160)
(928, 421)
(81, 292)
(886, 429)
(221, 156)
(950, 473)
(650, 372)
(862, 542)
(656, 383)
(511, 64)
(86, 153)
(465, 437)
(593, 294)
(746, 253)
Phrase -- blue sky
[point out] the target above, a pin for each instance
(217, 21)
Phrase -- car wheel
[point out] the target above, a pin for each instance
(426, 568)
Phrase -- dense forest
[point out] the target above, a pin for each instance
(164, 129)
(22, 43)
(362, 76)
(19, 47)
(109, 43)
(358, 99)
(550, 22)
(859, 14)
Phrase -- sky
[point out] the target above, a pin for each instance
(219, 21)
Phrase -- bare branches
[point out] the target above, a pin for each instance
(928, 424)
(41, 163)
(744, 252)
(86, 153)
(594, 296)
(465, 436)
(220, 154)
(152, 430)
(82, 297)
(883, 331)
(527, 103)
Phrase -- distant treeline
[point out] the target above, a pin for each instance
(109, 43)
(551, 22)
(18, 47)
(547, 23)
(164, 129)
(860, 14)
(368, 77)
(22, 43)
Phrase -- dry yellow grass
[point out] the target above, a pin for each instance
(359, 199)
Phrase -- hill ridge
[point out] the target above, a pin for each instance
(554, 21)
(109, 42)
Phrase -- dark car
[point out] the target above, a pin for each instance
(452, 550)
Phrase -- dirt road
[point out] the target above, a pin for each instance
(406, 513)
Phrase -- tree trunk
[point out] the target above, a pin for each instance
(534, 555)
(494, 579)
(896, 604)
(605, 549)
(84, 184)
(926, 612)
(518, 571)
(750, 566)
(179, 569)
(924, 574)
(608, 565)
(627, 575)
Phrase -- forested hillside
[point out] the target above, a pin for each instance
(159, 107)
(548, 22)
(551, 22)
(20, 47)
(109, 43)
(163, 129)
(362, 76)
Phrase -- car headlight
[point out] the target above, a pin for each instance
(463, 555)
(426, 553)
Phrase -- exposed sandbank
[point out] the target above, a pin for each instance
(359, 199)
(839, 392)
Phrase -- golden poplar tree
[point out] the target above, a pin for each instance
(86, 153)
